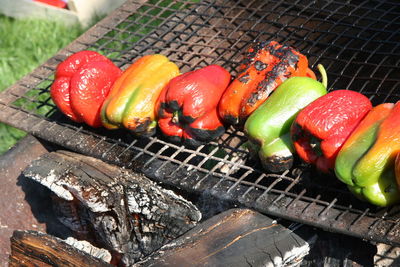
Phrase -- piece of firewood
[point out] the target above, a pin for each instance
(30, 248)
(113, 207)
(237, 237)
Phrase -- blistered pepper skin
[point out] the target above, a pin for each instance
(60, 94)
(359, 142)
(265, 66)
(383, 193)
(322, 127)
(132, 99)
(382, 154)
(81, 84)
(380, 190)
(187, 106)
(268, 127)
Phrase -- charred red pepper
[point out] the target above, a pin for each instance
(322, 127)
(81, 84)
(265, 66)
(187, 106)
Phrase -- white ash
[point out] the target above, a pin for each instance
(124, 210)
(291, 258)
(85, 246)
(51, 182)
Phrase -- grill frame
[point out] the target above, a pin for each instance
(281, 195)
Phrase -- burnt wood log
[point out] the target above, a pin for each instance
(338, 250)
(30, 248)
(237, 237)
(113, 207)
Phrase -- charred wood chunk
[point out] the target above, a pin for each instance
(116, 208)
(338, 250)
(237, 237)
(30, 248)
(386, 255)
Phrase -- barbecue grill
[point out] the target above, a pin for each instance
(357, 41)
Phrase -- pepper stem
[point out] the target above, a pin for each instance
(175, 117)
(323, 74)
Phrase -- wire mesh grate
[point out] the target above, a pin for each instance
(357, 42)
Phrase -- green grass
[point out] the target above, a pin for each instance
(24, 45)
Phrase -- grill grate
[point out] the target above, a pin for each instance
(357, 42)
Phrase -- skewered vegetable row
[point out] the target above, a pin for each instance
(130, 99)
(283, 110)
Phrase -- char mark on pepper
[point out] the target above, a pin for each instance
(187, 106)
(265, 66)
(140, 126)
(204, 135)
(280, 71)
(262, 45)
(173, 105)
(245, 78)
(259, 65)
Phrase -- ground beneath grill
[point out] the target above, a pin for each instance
(25, 205)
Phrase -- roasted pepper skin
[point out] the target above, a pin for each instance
(383, 152)
(187, 106)
(321, 128)
(379, 190)
(397, 169)
(359, 142)
(268, 127)
(81, 84)
(265, 66)
(383, 193)
(132, 99)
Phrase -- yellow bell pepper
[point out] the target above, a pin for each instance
(132, 98)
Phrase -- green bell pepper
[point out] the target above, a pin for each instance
(366, 161)
(268, 127)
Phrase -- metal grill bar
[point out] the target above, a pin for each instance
(357, 42)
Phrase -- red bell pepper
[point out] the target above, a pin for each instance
(322, 127)
(81, 84)
(187, 106)
(56, 3)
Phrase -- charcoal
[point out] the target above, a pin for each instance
(115, 208)
(31, 248)
(337, 250)
(237, 237)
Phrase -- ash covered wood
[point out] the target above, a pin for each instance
(237, 237)
(30, 248)
(85, 246)
(116, 208)
(387, 255)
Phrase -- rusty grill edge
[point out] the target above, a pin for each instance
(357, 43)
